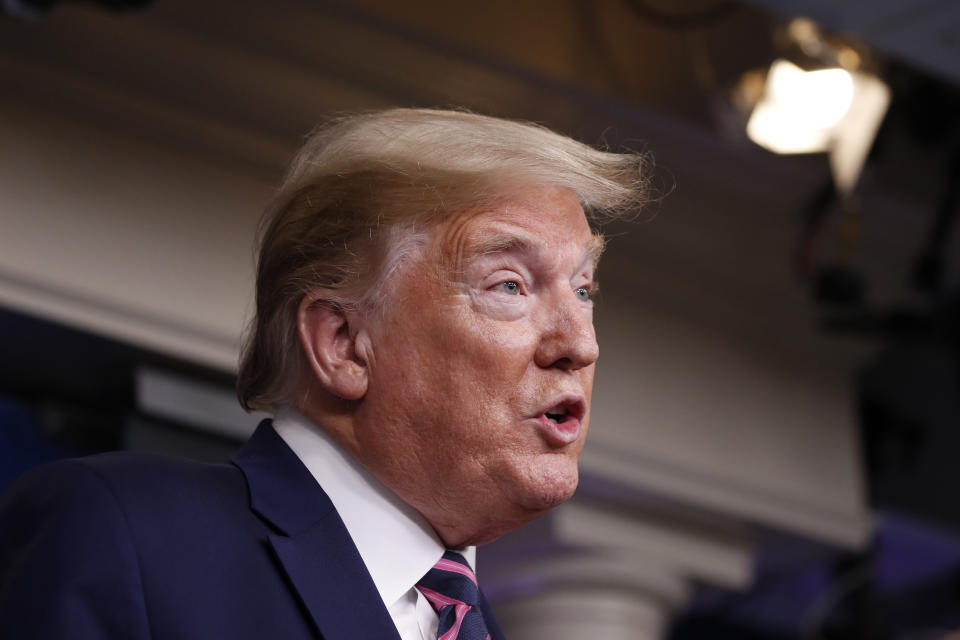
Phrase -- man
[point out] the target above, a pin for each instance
(424, 338)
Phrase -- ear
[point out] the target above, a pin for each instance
(329, 343)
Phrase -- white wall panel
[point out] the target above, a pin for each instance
(125, 238)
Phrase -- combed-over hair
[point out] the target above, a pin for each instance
(362, 184)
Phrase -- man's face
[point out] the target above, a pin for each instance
(481, 369)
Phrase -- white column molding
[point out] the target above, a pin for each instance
(599, 570)
(710, 556)
(585, 612)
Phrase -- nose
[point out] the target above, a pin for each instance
(568, 340)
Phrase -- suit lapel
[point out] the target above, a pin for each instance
(311, 542)
(333, 583)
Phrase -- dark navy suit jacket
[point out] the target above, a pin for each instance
(140, 546)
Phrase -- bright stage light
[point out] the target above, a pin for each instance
(799, 108)
(830, 109)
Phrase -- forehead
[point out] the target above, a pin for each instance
(542, 220)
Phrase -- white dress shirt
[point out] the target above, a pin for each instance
(396, 543)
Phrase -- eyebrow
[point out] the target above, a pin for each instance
(507, 243)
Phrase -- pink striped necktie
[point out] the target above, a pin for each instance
(451, 588)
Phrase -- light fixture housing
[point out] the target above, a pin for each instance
(829, 109)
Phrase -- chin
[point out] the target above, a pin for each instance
(524, 495)
(547, 486)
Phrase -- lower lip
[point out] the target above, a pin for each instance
(559, 434)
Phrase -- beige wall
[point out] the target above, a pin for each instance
(124, 237)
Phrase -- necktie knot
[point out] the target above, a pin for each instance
(451, 588)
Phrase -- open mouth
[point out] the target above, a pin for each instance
(561, 423)
(558, 414)
(570, 409)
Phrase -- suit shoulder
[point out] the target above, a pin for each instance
(66, 557)
(129, 482)
(60, 491)
(150, 471)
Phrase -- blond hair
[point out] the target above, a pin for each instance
(347, 211)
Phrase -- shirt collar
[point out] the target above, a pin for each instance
(397, 544)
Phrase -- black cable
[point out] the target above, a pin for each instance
(705, 17)
(931, 265)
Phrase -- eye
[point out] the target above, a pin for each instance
(510, 287)
(583, 293)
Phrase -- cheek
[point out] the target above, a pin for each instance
(473, 347)
(447, 362)
(586, 380)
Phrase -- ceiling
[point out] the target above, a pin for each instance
(923, 33)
